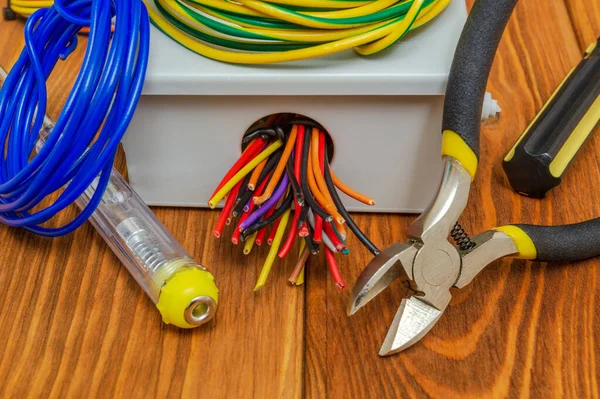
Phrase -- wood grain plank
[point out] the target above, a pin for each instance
(74, 323)
(585, 17)
(520, 329)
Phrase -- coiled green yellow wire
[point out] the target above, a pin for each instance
(260, 32)
(263, 32)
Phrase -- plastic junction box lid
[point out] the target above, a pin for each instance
(417, 65)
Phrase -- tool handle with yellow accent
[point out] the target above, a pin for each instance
(470, 71)
(537, 161)
(566, 243)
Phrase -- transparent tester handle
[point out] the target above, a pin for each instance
(184, 291)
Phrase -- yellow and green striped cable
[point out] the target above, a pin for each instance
(263, 32)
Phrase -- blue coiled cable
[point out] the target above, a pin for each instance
(85, 138)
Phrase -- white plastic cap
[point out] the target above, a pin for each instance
(491, 109)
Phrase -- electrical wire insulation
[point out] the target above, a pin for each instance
(302, 150)
(262, 279)
(26, 8)
(338, 202)
(81, 147)
(242, 173)
(300, 279)
(305, 253)
(261, 32)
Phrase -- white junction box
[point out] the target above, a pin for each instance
(383, 112)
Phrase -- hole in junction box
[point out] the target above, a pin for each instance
(285, 121)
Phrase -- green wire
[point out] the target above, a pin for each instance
(228, 35)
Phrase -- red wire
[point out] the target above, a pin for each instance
(334, 269)
(235, 238)
(262, 232)
(273, 231)
(229, 203)
(248, 154)
(304, 231)
(291, 238)
(298, 152)
(318, 219)
(340, 246)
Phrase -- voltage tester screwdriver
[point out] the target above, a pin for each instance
(184, 291)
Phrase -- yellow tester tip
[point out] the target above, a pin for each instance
(188, 298)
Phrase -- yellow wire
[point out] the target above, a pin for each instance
(225, 6)
(321, 3)
(300, 280)
(266, 58)
(250, 243)
(396, 34)
(370, 8)
(294, 18)
(297, 35)
(242, 173)
(32, 3)
(264, 273)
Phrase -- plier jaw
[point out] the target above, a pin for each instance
(428, 264)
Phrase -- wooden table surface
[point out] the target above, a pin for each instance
(74, 323)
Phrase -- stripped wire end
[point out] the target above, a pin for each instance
(283, 182)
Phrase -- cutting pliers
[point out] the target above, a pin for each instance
(428, 263)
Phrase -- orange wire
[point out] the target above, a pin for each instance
(289, 146)
(256, 174)
(350, 192)
(316, 192)
(316, 168)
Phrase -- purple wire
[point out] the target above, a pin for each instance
(271, 202)
(247, 206)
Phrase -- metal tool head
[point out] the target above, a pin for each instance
(416, 314)
(427, 262)
(382, 271)
(413, 320)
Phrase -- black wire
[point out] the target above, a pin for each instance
(304, 121)
(269, 166)
(302, 216)
(289, 168)
(281, 134)
(310, 201)
(287, 204)
(310, 241)
(342, 210)
(263, 132)
(243, 190)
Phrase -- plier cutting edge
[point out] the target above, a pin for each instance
(427, 262)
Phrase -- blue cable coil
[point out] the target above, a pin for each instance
(84, 141)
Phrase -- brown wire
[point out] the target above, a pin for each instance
(299, 266)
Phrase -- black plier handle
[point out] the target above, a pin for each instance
(427, 263)
(461, 129)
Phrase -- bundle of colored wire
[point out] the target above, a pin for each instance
(261, 32)
(82, 146)
(285, 166)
